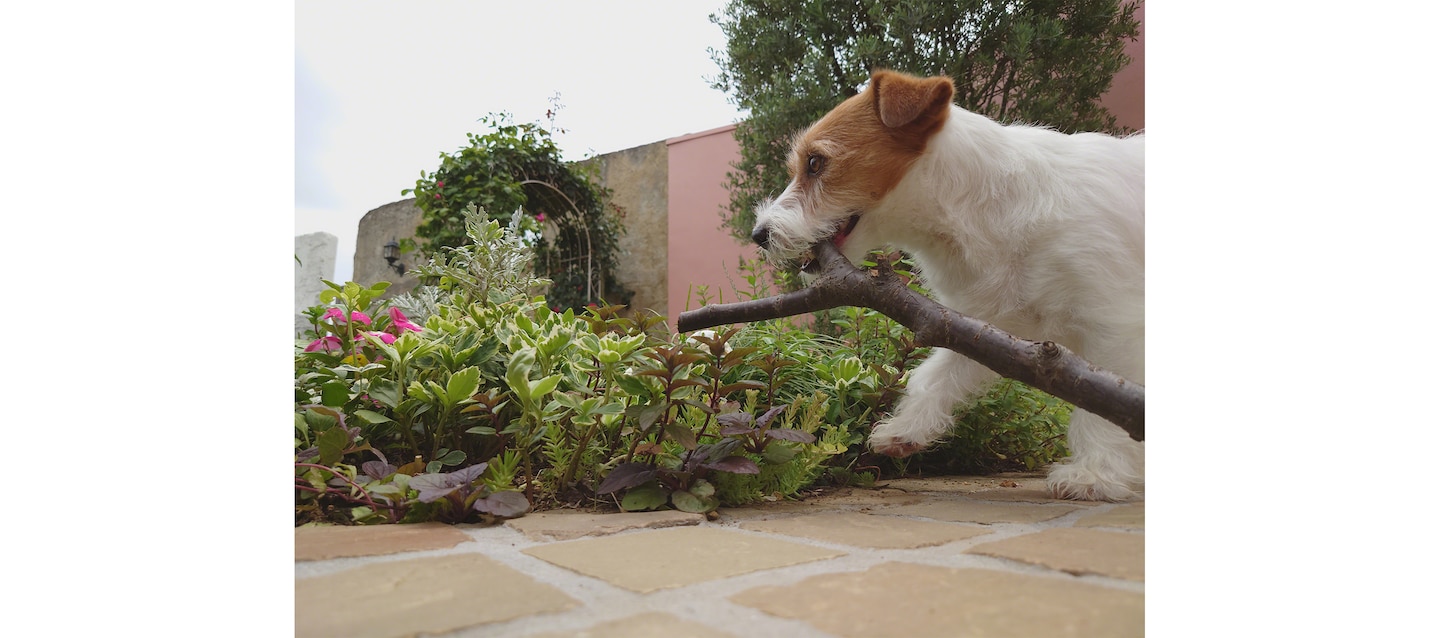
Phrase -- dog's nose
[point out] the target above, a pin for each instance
(761, 236)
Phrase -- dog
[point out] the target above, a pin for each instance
(1040, 233)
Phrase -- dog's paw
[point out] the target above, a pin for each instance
(1073, 482)
(894, 447)
(902, 436)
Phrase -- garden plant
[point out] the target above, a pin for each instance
(472, 399)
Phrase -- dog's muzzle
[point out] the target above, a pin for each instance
(761, 237)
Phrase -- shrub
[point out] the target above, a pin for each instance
(491, 402)
(560, 406)
(515, 172)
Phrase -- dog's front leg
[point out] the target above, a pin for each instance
(926, 412)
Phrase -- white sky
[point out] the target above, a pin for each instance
(382, 88)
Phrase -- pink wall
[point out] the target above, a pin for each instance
(701, 252)
(1126, 98)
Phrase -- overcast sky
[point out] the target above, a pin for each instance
(382, 88)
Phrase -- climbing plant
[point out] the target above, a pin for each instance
(515, 169)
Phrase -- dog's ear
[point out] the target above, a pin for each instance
(902, 99)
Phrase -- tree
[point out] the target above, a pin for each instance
(516, 169)
(788, 62)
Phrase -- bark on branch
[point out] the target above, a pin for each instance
(1046, 365)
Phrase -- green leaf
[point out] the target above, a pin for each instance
(688, 502)
(372, 417)
(544, 386)
(702, 488)
(633, 386)
(332, 445)
(776, 453)
(484, 352)
(645, 497)
(481, 429)
(319, 421)
(517, 372)
(387, 489)
(609, 408)
(335, 394)
(454, 457)
(437, 393)
(462, 384)
(385, 391)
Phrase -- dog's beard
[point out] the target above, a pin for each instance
(791, 235)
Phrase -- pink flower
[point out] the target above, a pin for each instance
(401, 322)
(336, 313)
(439, 184)
(437, 195)
(540, 217)
(385, 337)
(327, 343)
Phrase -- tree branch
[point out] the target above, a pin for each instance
(1046, 365)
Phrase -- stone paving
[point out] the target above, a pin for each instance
(948, 556)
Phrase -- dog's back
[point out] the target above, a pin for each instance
(1038, 232)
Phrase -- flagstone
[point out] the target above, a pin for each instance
(1128, 516)
(1075, 551)
(647, 625)
(560, 525)
(1026, 495)
(323, 543)
(968, 511)
(843, 499)
(880, 532)
(870, 496)
(651, 560)
(889, 600)
(435, 594)
(969, 484)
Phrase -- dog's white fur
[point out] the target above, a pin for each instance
(1037, 232)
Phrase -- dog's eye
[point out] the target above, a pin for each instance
(814, 165)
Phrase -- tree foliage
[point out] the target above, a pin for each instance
(788, 62)
(516, 168)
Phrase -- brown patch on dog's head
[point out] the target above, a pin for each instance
(855, 155)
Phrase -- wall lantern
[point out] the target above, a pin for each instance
(392, 254)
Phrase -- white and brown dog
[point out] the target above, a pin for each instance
(1037, 232)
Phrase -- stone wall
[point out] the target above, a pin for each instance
(637, 177)
(396, 220)
(316, 255)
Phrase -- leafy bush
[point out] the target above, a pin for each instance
(491, 402)
(515, 172)
(561, 406)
